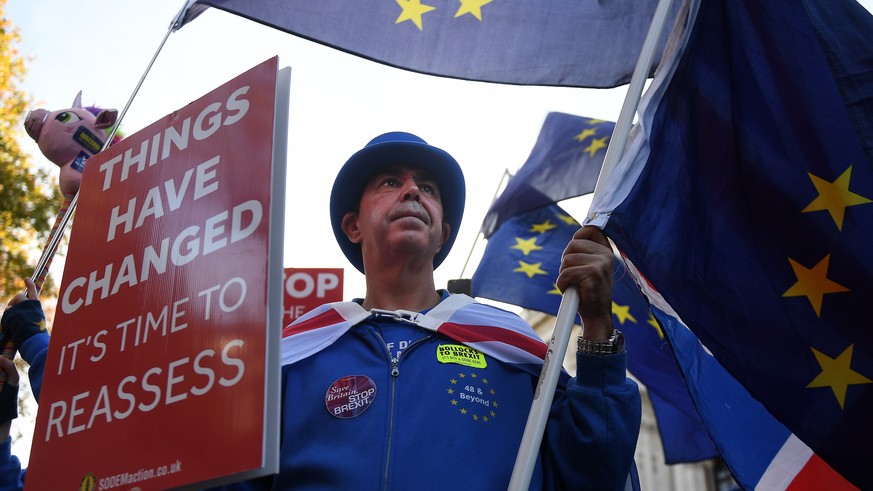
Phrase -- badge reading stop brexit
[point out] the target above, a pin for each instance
(350, 396)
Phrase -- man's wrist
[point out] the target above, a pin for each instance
(613, 344)
(598, 328)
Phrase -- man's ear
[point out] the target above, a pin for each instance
(350, 227)
(447, 232)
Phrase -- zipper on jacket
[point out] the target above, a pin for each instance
(395, 372)
(395, 361)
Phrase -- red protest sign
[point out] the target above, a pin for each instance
(307, 288)
(165, 344)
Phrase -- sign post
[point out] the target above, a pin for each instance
(163, 365)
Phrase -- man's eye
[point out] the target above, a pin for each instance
(427, 188)
(391, 182)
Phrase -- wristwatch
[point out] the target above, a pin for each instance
(615, 344)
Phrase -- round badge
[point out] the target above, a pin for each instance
(350, 396)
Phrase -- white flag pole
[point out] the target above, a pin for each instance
(545, 391)
(506, 175)
(55, 238)
(48, 252)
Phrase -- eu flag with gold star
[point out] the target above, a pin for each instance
(520, 266)
(650, 359)
(521, 261)
(748, 204)
(564, 163)
(526, 42)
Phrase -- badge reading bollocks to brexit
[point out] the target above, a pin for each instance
(462, 355)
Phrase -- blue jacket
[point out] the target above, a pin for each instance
(33, 351)
(11, 475)
(391, 405)
(359, 415)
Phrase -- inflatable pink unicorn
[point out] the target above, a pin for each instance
(67, 137)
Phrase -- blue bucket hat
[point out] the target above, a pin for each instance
(392, 149)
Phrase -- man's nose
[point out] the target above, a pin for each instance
(411, 192)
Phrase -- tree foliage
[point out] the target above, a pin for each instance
(29, 196)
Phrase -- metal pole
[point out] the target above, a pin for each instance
(506, 174)
(48, 252)
(55, 238)
(545, 392)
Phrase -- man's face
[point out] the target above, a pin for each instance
(400, 212)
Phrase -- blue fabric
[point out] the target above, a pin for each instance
(522, 258)
(34, 351)
(746, 435)
(596, 415)
(683, 436)
(28, 317)
(564, 163)
(570, 43)
(752, 215)
(589, 442)
(500, 277)
(11, 475)
(844, 33)
(651, 361)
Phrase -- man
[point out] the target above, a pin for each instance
(413, 388)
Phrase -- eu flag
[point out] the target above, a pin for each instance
(520, 266)
(747, 205)
(650, 359)
(760, 452)
(528, 42)
(521, 261)
(564, 163)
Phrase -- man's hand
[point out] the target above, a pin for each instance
(587, 264)
(23, 317)
(31, 293)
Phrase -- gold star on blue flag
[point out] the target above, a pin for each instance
(512, 271)
(752, 217)
(521, 261)
(650, 359)
(522, 42)
(564, 163)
